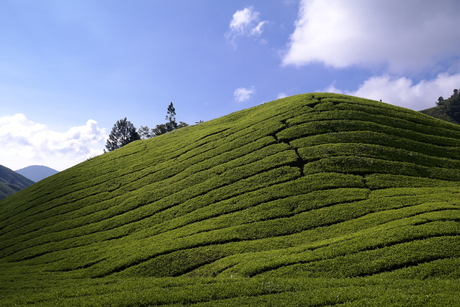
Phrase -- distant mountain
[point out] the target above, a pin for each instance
(36, 172)
(11, 182)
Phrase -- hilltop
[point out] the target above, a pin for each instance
(36, 172)
(11, 182)
(312, 200)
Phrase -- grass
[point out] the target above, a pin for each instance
(312, 200)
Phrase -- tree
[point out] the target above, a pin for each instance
(159, 129)
(171, 124)
(171, 118)
(440, 101)
(181, 125)
(451, 105)
(123, 132)
(145, 132)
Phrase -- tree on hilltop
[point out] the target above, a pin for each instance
(160, 129)
(171, 118)
(123, 132)
(169, 126)
(145, 132)
(440, 101)
(451, 105)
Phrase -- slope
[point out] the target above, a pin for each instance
(36, 172)
(314, 199)
(11, 182)
(440, 112)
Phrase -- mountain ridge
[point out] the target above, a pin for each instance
(313, 199)
(36, 172)
(11, 182)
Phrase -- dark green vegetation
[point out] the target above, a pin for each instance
(11, 182)
(145, 132)
(440, 112)
(36, 172)
(123, 133)
(311, 200)
(447, 109)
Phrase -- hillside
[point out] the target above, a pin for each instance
(311, 200)
(11, 182)
(440, 112)
(36, 172)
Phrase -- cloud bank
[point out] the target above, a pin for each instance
(403, 92)
(28, 143)
(404, 36)
(394, 39)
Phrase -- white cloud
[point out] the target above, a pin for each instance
(27, 143)
(242, 94)
(403, 92)
(282, 95)
(407, 35)
(258, 29)
(245, 22)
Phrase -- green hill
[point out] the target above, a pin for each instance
(447, 109)
(311, 200)
(11, 182)
(440, 112)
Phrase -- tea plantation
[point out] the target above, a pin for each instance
(311, 200)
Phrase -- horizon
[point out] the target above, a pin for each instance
(72, 69)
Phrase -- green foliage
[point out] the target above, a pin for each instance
(123, 133)
(145, 132)
(452, 105)
(160, 129)
(312, 200)
(446, 109)
(171, 118)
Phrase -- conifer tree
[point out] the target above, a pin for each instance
(145, 132)
(171, 118)
(123, 132)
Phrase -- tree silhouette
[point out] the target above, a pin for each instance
(171, 118)
(123, 132)
(440, 101)
(145, 132)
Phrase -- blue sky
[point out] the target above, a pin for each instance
(70, 69)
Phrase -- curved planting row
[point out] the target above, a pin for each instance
(315, 185)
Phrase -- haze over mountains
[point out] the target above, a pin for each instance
(312, 200)
(14, 181)
(36, 172)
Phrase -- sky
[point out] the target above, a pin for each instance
(70, 69)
